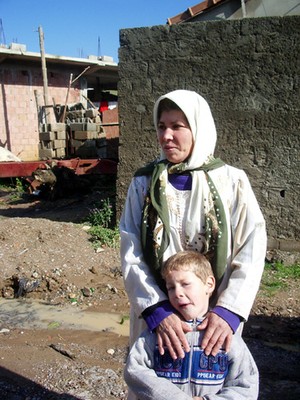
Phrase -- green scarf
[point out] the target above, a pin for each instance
(155, 209)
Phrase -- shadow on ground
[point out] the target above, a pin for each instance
(274, 344)
(63, 205)
(16, 387)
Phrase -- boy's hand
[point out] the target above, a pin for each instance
(170, 334)
(218, 334)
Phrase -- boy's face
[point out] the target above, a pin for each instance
(188, 294)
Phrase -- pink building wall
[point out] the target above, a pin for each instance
(19, 128)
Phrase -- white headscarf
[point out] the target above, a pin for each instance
(199, 117)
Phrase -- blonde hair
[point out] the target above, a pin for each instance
(188, 261)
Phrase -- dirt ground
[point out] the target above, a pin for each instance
(46, 256)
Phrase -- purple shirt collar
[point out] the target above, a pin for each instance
(180, 181)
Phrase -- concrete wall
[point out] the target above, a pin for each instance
(252, 9)
(274, 8)
(19, 130)
(248, 70)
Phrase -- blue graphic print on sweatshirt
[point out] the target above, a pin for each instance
(195, 367)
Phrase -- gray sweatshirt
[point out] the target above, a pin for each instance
(150, 376)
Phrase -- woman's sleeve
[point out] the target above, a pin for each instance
(140, 285)
(249, 242)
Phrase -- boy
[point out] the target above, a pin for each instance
(190, 283)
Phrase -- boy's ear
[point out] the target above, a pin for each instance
(210, 284)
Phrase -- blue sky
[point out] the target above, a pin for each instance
(72, 28)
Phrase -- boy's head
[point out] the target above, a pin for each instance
(190, 282)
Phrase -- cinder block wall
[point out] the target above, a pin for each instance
(19, 131)
(248, 70)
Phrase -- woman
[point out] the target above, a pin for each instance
(187, 199)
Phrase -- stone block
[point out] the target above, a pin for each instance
(46, 144)
(77, 126)
(57, 127)
(91, 113)
(43, 128)
(60, 152)
(47, 136)
(84, 135)
(60, 135)
(59, 144)
(46, 153)
(90, 126)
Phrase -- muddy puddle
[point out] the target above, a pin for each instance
(33, 314)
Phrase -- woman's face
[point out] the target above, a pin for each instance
(175, 136)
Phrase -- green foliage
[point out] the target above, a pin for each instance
(102, 236)
(124, 318)
(102, 230)
(102, 215)
(19, 186)
(15, 187)
(276, 277)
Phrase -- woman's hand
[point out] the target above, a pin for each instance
(170, 334)
(218, 333)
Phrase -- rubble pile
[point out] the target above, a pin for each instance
(81, 135)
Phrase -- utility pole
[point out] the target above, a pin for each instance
(99, 47)
(2, 34)
(44, 70)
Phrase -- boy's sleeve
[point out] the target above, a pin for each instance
(242, 381)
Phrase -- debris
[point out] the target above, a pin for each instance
(62, 351)
(73, 298)
(26, 286)
(87, 292)
(23, 251)
(59, 182)
(112, 288)
(94, 270)
(6, 155)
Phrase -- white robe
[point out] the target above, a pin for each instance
(246, 244)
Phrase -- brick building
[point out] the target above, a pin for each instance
(24, 89)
